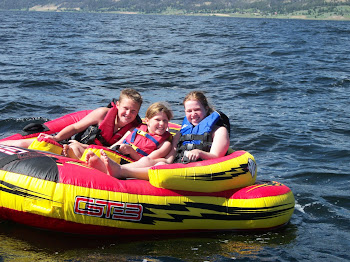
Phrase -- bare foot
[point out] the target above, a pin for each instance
(95, 162)
(70, 151)
(65, 150)
(113, 168)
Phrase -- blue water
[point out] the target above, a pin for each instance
(283, 83)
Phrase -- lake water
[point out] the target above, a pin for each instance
(283, 83)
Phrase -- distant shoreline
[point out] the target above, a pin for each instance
(54, 8)
(291, 16)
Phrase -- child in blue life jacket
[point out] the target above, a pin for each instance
(214, 139)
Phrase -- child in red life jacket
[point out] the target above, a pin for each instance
(102, 126)
(112, 124)
(151, 139)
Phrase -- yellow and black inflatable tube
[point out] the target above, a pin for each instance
(46, 144)
(236, 170)
(53, 192)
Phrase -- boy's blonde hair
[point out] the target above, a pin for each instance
(131, 94)
(158, 107)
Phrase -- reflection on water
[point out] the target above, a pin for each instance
(28, 244)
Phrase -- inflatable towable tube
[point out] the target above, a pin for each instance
(49, 191)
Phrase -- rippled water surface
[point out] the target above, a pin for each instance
(283, 83)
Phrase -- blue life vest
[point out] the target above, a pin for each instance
(196, 137)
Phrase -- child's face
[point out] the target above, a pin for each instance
(127, 111)
(157, 124)
(195, 111)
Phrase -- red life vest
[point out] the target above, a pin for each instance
(107, 136)
(143, 142)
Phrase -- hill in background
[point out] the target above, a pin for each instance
(307, 9)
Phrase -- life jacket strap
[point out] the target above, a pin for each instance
(145, 134)
(206, 137)
(138, 150)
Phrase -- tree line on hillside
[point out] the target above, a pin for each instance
(186, 6)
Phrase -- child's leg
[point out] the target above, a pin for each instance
(20, 143)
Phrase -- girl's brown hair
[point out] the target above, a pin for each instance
(201, 98)
(158, 107)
